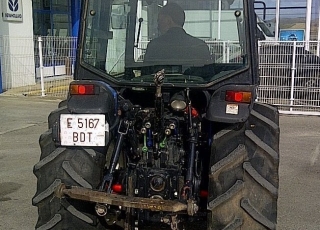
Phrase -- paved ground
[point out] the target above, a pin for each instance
(23, 119)
(299, 206)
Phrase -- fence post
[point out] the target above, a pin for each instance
(228, 51)
(293, 71)
(41, 67)
(224, 51)
(259, 70)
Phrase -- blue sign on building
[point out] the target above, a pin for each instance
(291, 35)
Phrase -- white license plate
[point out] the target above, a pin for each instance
(83, 129)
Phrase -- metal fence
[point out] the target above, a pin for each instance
(17, 61)
(289, 71)
(290, 76)
(37, 65)
(54, 61)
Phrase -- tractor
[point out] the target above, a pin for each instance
(161, 128)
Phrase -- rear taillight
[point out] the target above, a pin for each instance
(82, 89)
(238, 96)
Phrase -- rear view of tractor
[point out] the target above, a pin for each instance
(162, 130)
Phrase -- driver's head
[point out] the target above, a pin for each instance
(171, 15)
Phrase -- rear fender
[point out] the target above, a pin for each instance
(103, 101)
(221, 110)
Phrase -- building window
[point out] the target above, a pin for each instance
(52, 17)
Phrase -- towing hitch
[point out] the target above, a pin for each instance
(99, 197)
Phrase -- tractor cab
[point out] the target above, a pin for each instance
(124, 42)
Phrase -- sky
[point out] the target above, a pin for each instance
(291, 13)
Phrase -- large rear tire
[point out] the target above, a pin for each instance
(72, 166)
(244, 180)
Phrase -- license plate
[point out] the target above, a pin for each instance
(83, 129)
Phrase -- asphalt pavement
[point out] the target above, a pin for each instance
(23, 119)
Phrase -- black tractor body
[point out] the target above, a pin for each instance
(162, 130)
